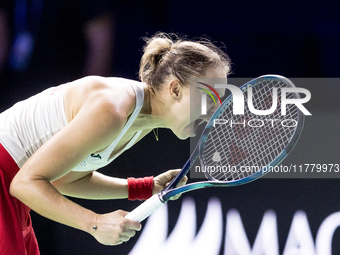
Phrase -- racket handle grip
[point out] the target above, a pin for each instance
(145, 209)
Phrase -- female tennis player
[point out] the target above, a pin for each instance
(52, 143)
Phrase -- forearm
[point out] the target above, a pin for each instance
(44, 199)
(94, 186)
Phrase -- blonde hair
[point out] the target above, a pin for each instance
(166, 55)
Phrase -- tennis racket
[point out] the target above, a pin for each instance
(259, 144)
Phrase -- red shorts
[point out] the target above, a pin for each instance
(16, 233)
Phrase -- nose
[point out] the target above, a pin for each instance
(213, 109)
(209, 114)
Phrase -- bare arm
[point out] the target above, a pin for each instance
(92, 185)
(32, 185)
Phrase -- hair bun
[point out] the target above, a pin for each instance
(155, 50)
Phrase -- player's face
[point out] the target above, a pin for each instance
(188, 111)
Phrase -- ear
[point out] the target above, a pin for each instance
(175, 89)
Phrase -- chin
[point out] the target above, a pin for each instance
(185, 135)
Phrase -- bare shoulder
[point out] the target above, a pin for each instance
(112, 97)
(96, 111)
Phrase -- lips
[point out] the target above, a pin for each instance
(197, 123)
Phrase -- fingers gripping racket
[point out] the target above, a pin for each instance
(258, 141)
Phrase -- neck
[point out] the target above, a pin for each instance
(152, 114)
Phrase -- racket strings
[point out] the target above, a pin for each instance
(249, 142)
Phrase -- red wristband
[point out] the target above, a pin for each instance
(140, 188)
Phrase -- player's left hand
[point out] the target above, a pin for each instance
(162, 180)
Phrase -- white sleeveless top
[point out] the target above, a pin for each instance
(28, 124)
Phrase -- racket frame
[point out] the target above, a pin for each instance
(170, 191)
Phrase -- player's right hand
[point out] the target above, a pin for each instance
(114, 229)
